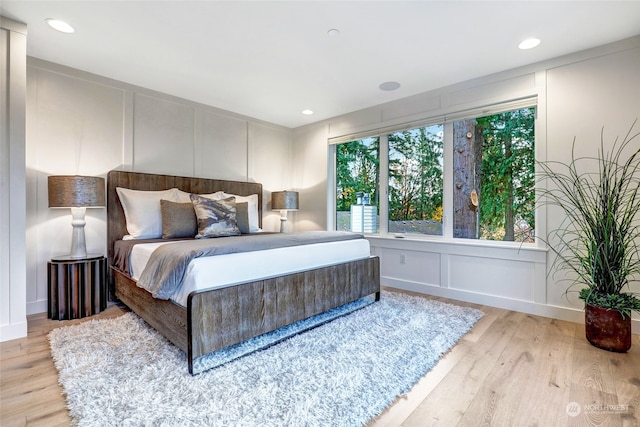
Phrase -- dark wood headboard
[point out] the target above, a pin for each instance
(116, 223)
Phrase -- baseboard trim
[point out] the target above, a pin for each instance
(554, 312)
(13, 331)
(36, 307)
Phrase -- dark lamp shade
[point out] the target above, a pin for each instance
(284, 200)
(73, 191)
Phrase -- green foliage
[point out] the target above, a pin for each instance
(415, 174)
(507, 175)
(599, 240)
(623, 302)
(357, 171)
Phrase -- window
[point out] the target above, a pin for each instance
(494, 177)
(415, 181)
(357, 176)
(399, 179)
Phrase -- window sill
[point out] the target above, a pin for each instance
(477, 248)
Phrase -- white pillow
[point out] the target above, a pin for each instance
(184, 197)
(142, 211)
(252, 208)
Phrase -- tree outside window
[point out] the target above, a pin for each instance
(494, 177)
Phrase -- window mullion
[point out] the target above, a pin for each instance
(447, 184)
(331, 187)
(383, 184)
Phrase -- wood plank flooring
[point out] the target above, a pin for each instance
(512, 369)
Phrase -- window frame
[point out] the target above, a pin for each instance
(447, 199)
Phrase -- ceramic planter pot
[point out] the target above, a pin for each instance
(606, 329)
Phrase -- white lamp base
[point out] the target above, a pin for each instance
(78, 244)
(283, 222)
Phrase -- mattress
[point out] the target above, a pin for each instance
(226, 270)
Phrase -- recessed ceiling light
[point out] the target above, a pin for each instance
(333, 32)
(59, 25)
(389, 86)
(529, 43)
(307, 112)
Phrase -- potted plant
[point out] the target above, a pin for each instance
(598, 242)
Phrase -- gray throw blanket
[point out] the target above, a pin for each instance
(165, 270)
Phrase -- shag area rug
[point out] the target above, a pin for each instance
(121, 372)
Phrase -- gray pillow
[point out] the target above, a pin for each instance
(216, 218)
(178, 219)
(242, 217)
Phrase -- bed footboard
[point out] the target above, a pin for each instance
(218, 318)
(227, 316)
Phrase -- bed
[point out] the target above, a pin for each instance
(217, 317)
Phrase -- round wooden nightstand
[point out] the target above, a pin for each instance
(77, 287)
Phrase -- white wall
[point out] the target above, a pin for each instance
(582, 98)
(310, 179)
(13, 77)
(84, 124)
(577, 95)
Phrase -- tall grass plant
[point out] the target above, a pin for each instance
(598, 241)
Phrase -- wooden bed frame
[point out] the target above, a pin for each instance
(218, 318)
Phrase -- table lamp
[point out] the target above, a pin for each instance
(284, 201)
(78, 193)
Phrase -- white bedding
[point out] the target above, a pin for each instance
(224, 270)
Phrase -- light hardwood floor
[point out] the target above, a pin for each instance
(512, 369)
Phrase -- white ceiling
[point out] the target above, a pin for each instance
(270, 60)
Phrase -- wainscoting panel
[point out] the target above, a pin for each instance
(164, 136)
(482, 272)
(220, 146)
(412, 266)
(504, 278)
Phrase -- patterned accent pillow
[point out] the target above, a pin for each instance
(216, 218)
(178, 219)
(252, 207)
